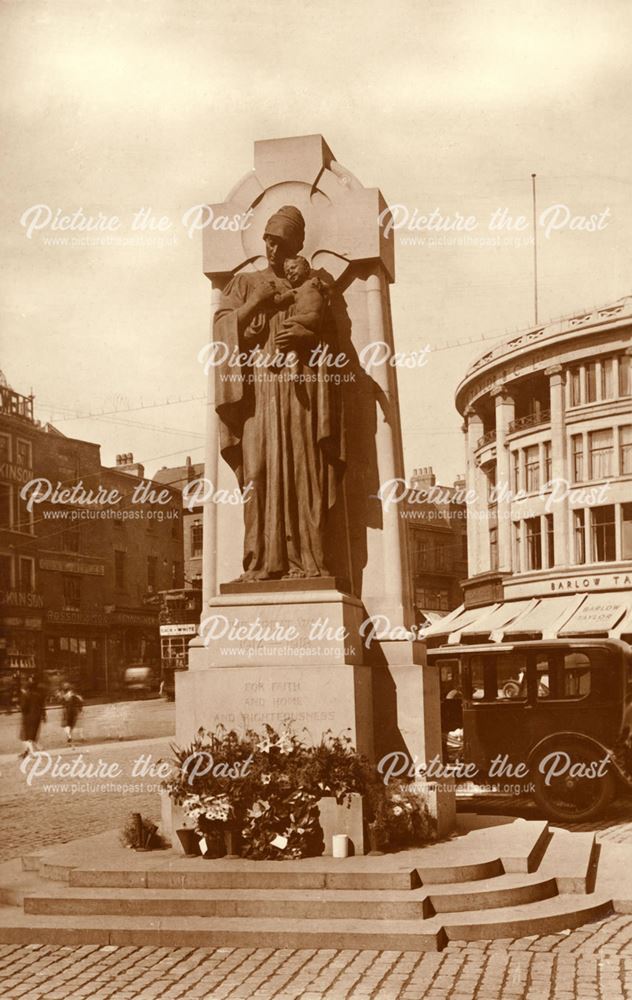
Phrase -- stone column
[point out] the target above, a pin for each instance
(505, 411)
(477, 529)
(394, 584)
(211, 455)
(558, 462)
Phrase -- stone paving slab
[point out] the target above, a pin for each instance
(597, 967)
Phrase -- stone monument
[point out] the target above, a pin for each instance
(306, 605)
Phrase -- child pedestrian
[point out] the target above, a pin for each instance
(71, 705)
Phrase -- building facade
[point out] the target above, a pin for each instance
(83, 563)
(437, 534)
(548, 428)
(181, 477)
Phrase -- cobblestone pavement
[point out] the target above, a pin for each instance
(587, 965)
(123, 720)
(53, 811)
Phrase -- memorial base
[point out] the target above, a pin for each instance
(312, 698)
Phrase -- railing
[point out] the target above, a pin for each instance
(487, 438)
(531, 420)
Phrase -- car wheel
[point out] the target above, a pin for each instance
(572, 798)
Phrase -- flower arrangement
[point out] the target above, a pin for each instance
(266, 788)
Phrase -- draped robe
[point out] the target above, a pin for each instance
(280, 430)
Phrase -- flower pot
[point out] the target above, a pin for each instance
(214, 843)
(231, 842)
(375, 841)
(190, 841)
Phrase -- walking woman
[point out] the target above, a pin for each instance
(33, 710)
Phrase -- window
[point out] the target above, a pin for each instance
(23, 519)
(493, 548)
(26, 578)
(6, 581)
(591, 382)
(600, 450)
(6, 503)
(23, 456)
(196, 538)
(71, 540)
(548, 462)
(152, 568)
(625, 449)
(607, 379)
(532, 468)
(577, 451)
(515, 470)
(67, 467)
(626, 531)
(534, 542)
(501, 677)
(5, 448)
(580, 536)
(563, 676)
(432, 599)
(176, 574)
(490, 476)
(119, 569)
(603, 533)
(625, 375)
(575, 381)
(516, 547)
(72, 592)
(549, 541)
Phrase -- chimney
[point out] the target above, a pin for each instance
(459, 482)
(423, 478)
(125, 463)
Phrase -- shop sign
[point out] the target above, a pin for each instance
(75, 618)
(182, 629)
(12, 473)
(579, 584)
(20, 599)
(72, 566)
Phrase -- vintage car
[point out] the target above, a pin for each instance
(554, 716)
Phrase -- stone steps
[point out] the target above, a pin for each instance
(415, 904)
(544, 917)
(512, 879)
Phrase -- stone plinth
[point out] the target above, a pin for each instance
(280, 625)
(313, 698)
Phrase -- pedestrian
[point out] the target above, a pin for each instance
(33, 710)
(71, 705)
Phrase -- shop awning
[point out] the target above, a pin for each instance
(565, 616)
(490, 624)
(449, 628)
(596, 616)
(544, 619)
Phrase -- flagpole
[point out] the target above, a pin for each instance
(535, 251)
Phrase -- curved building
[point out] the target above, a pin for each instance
(548, 429)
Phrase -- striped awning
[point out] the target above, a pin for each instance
(606, 615)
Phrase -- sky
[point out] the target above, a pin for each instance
(117, 107)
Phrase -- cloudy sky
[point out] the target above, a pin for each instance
(114, 106)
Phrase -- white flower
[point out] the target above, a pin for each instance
(266, 779)
(265, 745)
(284, 744)
(398, 810)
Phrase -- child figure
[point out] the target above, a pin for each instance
(309, 300)
(71, 705)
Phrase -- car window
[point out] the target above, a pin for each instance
(499, 677)
(563, 675)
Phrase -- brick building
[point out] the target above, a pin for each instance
(82, 569)
(436, 518)
(181, 476)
